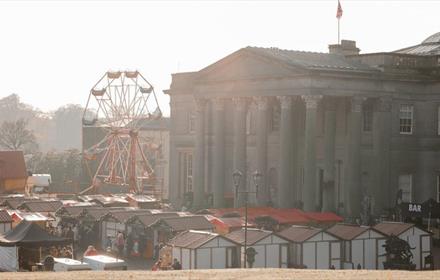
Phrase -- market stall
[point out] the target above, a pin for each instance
(25, 246)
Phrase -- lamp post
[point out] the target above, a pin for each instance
(237, 177)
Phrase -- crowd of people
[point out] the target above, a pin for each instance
(176, 265)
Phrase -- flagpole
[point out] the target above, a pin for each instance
(339, 41)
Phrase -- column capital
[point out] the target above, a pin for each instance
(383, 104)
(240, 103)
(356, 103)
(312, 101)
(286, 101)
(262, 102)
(200, 103)
(218, 103)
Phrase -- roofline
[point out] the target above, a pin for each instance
(390, 222)
(367, 228)
(202, 232)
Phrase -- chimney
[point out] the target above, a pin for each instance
(347, 47)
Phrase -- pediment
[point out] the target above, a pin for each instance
(245, 64)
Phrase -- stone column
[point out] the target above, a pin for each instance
(310, 185)
(199, 155)
(219, 154)
(261, 149)
(286, 193)
(239, 149)
(381, 147)
(352, 186)
(329, 155)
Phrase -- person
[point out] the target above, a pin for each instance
(70, 234)
(91, 251)
(176, 265)
(109, 243)
(157, 265)
(120, 243)
(156, 252)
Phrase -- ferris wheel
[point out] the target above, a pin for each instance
(118, 103)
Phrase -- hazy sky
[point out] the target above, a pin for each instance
(53, 52)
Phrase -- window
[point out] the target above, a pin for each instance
(186, 171)
(438, 189)
(438, 120)
(405, 185)
(406, 119)
(275, 117)
(367, 118)
(191, 122)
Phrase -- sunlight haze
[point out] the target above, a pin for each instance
(52, 53)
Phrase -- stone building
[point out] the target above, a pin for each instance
(334, 131)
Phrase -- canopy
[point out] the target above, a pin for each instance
(30, 235)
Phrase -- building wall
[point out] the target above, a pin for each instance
(416, 154)
(12, 185)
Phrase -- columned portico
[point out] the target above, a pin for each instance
(261, 149)
(239, 146)
(329, 155)
(353, 190)
(317, 124)
(309, 191)
(286, 192)
(219, 153)
(199, 154)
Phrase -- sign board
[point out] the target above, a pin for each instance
(428, 209)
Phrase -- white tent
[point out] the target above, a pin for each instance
(418, 239)
(360, 247)
(203, 250)
(312, 248)
(25, 236)
(271, 248)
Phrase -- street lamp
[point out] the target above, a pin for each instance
(236, 176)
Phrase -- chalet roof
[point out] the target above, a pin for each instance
(41, 206)
(14, 202)
(299, 233)
(30, 235)
(123, 216)
(392, 228)
(29, 216)
(282, 216)
(98, 213)
(149, 219)
(73, 211)
(182, 223)
(253, 235)
(12, 165)
(5, 217)
(110, 201)
(347, 231)
(192, 239)
(323, 217)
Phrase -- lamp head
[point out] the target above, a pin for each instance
(236, 176)
(257, 176)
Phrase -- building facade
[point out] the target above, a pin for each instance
(338, 131)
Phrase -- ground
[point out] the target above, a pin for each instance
(242, 274)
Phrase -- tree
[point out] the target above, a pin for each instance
(14, 135)
(68, 127)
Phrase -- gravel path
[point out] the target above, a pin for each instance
(241, 274)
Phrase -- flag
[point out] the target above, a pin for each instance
(339, 11)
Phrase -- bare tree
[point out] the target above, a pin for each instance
(14, 135)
